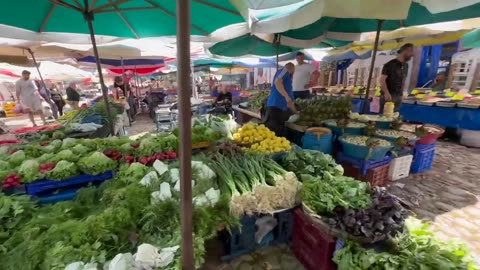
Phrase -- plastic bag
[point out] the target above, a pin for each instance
(18, 108)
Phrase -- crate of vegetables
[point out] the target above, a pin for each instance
(363, 147)
(44, 185)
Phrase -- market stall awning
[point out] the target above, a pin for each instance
(472, 39)
(307, 23)
(140, 62)
(128, 19)
(262, 46)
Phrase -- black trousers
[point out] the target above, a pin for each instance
(396, 99)
(301, 94)
(275, 119)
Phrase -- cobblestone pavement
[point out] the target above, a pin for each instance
(448, 195)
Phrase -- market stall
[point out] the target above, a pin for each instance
(251, 190)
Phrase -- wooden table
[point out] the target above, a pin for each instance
(244, 115)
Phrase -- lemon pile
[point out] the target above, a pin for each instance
(261, 139)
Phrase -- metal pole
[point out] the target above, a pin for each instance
(185, 122)
(38, 69)
(372, 65)
(89, 18)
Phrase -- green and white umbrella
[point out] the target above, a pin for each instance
(311, 21)
(119, 18)
(265, 47)
(304, 23)
(471, 39)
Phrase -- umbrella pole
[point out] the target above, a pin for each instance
(38, 69)
(185, 122)
(89, 18)
(372, 65)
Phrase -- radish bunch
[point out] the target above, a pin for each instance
(12, 180)
(113, 154)
(46, 167)
(168, 155)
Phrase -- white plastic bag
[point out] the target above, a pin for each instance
(174, 175)
(149, 178)
(160, 167)
(146, 255)
(123, 261)
(265, 225)
(164, 193)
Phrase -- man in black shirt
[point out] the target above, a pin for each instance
(394, 73)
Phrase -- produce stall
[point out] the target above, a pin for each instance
(106, 203)
(463, 118)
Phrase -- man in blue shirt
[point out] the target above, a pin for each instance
(280, 102)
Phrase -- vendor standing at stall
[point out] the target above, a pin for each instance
(73, 97)
(393, 76)
(302, 77)
(280, 102)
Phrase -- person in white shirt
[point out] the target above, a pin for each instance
(301, 77)
(29, 97)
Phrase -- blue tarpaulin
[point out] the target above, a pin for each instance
(446, 117)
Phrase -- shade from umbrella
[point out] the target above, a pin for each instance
(472, 39)
(120, 18)
(254, 45)
(344, 20)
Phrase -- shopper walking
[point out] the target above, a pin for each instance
(29, 97)
(45, 93)
(57, 98)
(125, 89)
(73, 97)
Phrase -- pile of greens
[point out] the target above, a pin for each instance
(383, 219)
(99, 224)
(324, 195)
(258, 100)
(416, 248)
(311, 162)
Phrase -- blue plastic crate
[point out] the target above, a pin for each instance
(423, 158)
(241, 240)
(362, 164)
(283, 231)
(59, 197)
(46, 185)
(362, 151)
(323, 144)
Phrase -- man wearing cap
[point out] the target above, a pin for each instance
(301, 77)
(393, 76)
(29, 97)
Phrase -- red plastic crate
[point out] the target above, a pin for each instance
(376, 177)
(312, 246)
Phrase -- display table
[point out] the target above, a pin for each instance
(446, 117)
(244, 115)
(442, 116)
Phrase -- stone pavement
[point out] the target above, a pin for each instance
(448, 195)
